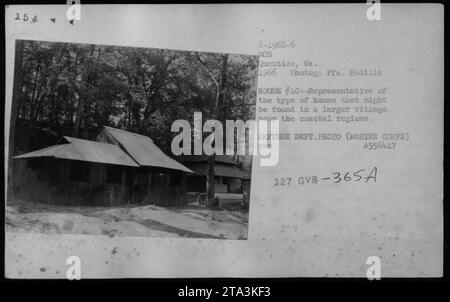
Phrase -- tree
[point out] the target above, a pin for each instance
(17, 92)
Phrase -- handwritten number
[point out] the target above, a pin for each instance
(356, 174)
(337, 177)
(347, 177)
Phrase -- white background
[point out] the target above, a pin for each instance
(316, 230)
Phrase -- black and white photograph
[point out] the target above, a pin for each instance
(91, 142)
(233, 142)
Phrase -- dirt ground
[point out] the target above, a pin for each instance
(148, 220)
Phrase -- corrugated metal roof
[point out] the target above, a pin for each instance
(226, 159)
(80, 149)
(142, 149)
(219, 170)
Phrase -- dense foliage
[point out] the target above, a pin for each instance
(75, 89)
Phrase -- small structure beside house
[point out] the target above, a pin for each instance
(228, 175)
(120, 167)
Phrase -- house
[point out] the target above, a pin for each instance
(159, 179)
(84, 172)
(228, 175)
(120, 167)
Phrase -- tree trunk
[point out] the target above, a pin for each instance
(33, 109)
(16, 98)
(33, 94)
(80, 101)
(221, 110)
(210, 179)
(220, 114)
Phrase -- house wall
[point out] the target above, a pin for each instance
(95, 191)
(196, 183)
(220, 188)
(234, 185)
(160, 191)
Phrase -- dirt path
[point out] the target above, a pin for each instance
(149, 220)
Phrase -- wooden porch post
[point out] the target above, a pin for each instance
(183, 188)
(167, 194)
(149, 185)
(210, 179)
(133, 181)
